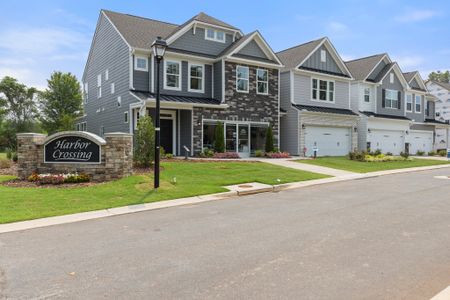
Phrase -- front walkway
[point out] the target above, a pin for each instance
(290, 163)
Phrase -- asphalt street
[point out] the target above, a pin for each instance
(380, 238)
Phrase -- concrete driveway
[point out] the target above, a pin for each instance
(378, 238)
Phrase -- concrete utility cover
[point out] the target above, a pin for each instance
(250, 188)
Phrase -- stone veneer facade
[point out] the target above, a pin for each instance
(116, 157)
(247, 107)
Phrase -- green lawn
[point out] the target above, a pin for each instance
(197, 178)
(2, 155)
(343, 163)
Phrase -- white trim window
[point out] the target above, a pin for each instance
(418, 104)
(172, 75)
(242, 79)
(409, 103)
(322, 90)
(391, 99)
(214, 35)
(119, 101)
(125, 115)
(141, 63)
(196, 78)
(99, 85)
(86, 92)
(367, 95)
(323, 56)
(113, 88)
(262, 81)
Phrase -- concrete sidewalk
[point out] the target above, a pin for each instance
(290, 163)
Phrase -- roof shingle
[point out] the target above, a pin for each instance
(361, 67)
(293, 56)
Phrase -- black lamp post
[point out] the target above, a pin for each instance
(159, 48)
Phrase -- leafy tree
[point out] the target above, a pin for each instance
(440, 76)
(144, 150)
(18, 108)
(269, 140)
(219, 139)
(60, 103)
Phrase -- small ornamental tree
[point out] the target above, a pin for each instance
(219, 142)
(144, 150)
(269, 140)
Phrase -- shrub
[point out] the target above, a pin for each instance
(144, 151)
(219, 139)
(278, 155)
(259, 153)
(442, 153)
(207, 153)
(357, 155)
(420, 153)
(162, 152)
(432, 153)
(405, 155)
(269, 140)
(226, 155)
(375, 153)
(389, 154)
(77, 178)
(5, 163)
(169, 156)
(9, 154)
(15, 158)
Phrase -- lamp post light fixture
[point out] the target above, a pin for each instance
(159, 48)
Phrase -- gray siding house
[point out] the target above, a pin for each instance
(315, 93)
(393, 106)
(211, 73)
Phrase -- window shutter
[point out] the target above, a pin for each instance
(383, 98)
(399, 98)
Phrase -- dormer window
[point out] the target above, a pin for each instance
(215, 35)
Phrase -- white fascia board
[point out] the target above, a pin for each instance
(399, 73)
(190, 56)
(253, 62)
(318, 74)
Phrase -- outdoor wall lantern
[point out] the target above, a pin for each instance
(159, 48)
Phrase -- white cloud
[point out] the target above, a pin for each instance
(407, 62)
(416, 16)
(337, 27)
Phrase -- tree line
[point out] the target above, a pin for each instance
(25, 109)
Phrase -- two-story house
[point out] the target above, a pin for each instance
(315, 99)
(212, 72)
(441, 92)
(377, 94)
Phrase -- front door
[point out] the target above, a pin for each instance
(167, 135)
(243, 140)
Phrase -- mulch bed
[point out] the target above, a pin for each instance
(17, 183)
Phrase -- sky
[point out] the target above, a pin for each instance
(41, 36)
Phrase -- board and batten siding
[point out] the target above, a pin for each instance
(217, 69)
(108, 52)
(252, 49)
(315, 62)
(289, 122)
(185, 81)
(397, 86)
(303, 92)
(198, 44)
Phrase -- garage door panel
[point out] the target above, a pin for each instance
(387, 141)
(420, 141)
(330, 141)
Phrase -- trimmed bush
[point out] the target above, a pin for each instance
(219, 139)
(405, 155)
(442, 153)
(420, 153)
(259, 153)
(269, 140)
(144, 150)
(432, 153)
(278, 155)
(56, 179)
(206, 153)
(5, 163)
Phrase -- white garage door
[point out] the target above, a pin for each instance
(330, 141)
(420, 141)
(387, 141)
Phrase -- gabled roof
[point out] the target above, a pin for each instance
(202, 17)
(361, 68)
(233, 49)
(387, 69)
(409, 76)
(293, 56)
(139, 32)
(442, 84)
(296, 56)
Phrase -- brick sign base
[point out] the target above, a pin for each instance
(115, 155)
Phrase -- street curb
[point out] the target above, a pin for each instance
(443, 295)
(117, 211)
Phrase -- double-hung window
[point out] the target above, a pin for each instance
(366, 94)
(196, 78)
(418, 103)
(214, 35)
(99, 85)
(262, 81)
(409, 103)
(172, 75)
(140, 63)
(322, 90)
(391, 99)
(242, 75)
